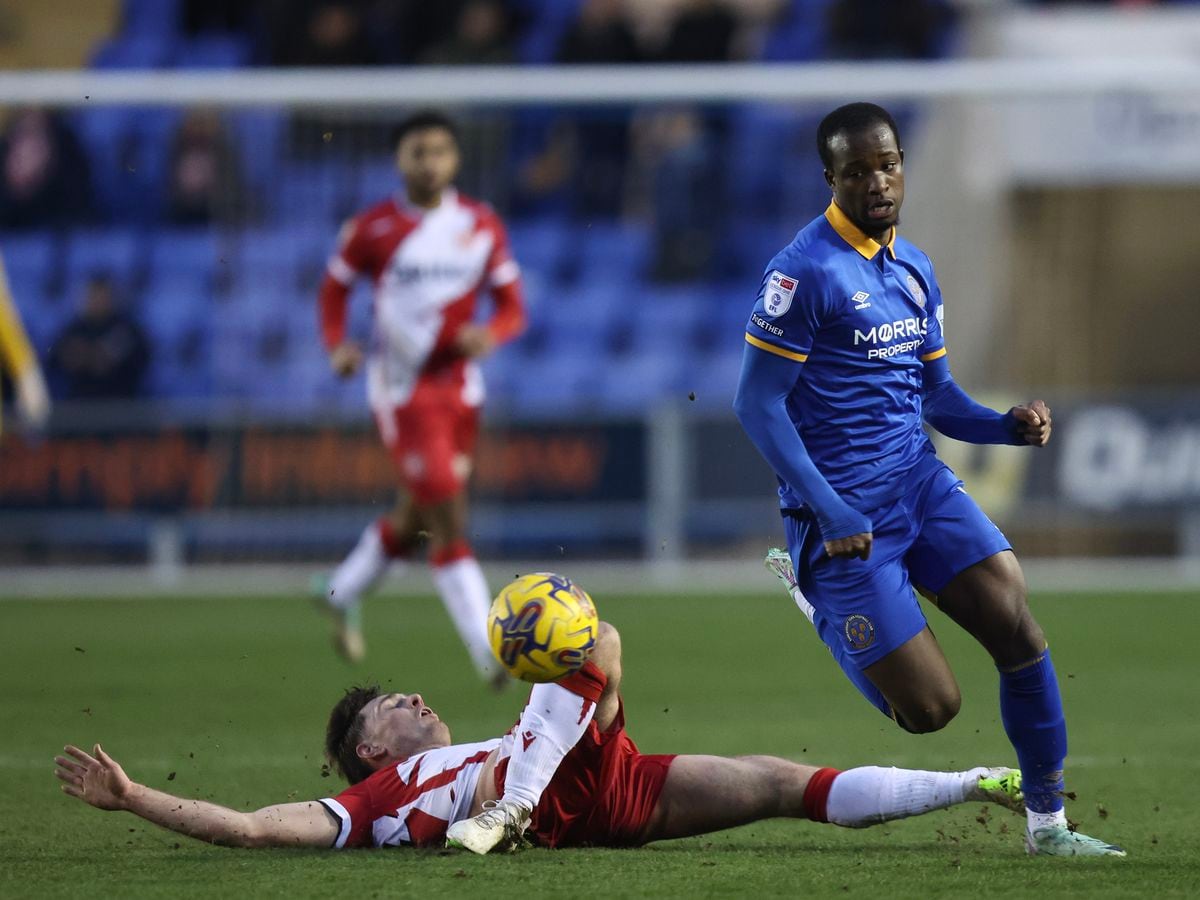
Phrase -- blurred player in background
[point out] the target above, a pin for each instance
(845, 361)
(19, 363)
(429, 251)
(566, 774)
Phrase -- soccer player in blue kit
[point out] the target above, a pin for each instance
(844, 361)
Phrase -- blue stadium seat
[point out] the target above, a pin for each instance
(191, 252)
(315, 193)
(641, 381)
(122, 253)
(763, 139)
(540, 246)
(177, 312)
(376, 181)
(134, 52)
(713, 379)
(750, 243)
(151, 18)
(801, 34)
(613, 251)
(28, 258)
(663, 317)
(548, 20)
(213, 52)
(258, 136)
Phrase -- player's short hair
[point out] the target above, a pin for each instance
(422, 119)
(345, 730)
(853, 117)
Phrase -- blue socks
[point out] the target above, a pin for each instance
(1031, 709)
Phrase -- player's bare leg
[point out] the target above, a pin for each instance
(460, 582)
(917, 681)
(710, 793)
(989, 600)
(384, 543)
(557, 715)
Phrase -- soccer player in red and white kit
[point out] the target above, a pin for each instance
(566, 775)
(429, 251)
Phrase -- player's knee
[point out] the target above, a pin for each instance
(1018, 637)
(606, 655)
(934, 714)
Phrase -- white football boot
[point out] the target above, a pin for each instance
(499, 825)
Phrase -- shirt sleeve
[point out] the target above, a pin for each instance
(501, 267)
(935, 339)
(789, 308)
(352, 256)
(354, 808)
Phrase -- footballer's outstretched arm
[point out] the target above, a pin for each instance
(98, 780)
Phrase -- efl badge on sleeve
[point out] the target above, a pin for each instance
(918, 294)
(780, 291)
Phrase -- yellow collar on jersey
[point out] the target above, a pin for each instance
(850, 233)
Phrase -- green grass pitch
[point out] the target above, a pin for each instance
(226, 700)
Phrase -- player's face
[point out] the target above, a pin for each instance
(403, 725)
(428, 159)
(867, 178)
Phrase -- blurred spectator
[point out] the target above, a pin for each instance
(685, 178)
(408, 29)
(19, 364)
(44, 178)
(889, 29)
(205, 181)
(231, 16)
(703, 31)
(483, 35)
(586, 153)
(102, 353)
(319, 33)
(601, 34)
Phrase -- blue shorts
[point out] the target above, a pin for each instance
(865, 609)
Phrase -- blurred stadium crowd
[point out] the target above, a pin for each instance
(199, 235)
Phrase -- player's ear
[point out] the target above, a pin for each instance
(369, 751)
(829, 178)
(901, 155)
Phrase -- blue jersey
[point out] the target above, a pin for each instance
(863, 319)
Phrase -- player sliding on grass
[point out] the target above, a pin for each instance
(845, 361)
(429, 251)
(566, 775)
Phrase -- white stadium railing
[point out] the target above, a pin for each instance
(998, 79)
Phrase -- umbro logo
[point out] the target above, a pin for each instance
(528, 738)
(861, 301)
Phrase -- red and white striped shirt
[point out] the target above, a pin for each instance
(428, 267)
(414, 801)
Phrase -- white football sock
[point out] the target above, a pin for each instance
(802, 602)
(872, 794)
(361, 570)
(551, 724)
(465, 595)
(1045, 820)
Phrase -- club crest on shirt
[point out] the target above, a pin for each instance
(917, 293)
(780, 291)
(860, 631)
